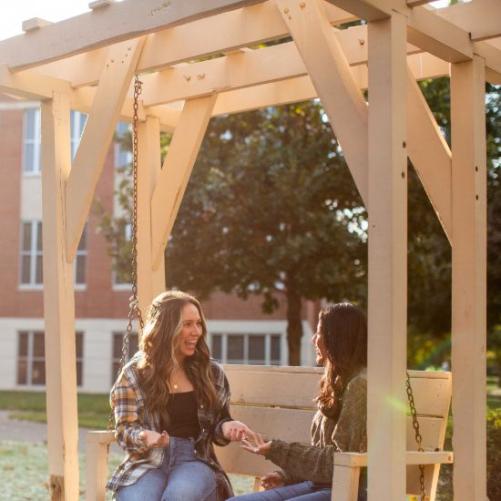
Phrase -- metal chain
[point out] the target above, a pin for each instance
(134, 309)
(417, 434)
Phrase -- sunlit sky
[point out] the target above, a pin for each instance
(12, 14)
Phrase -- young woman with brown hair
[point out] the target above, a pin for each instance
(340, 422)
(170, 404)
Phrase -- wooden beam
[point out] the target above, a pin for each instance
(249, 68)
(97, 137)
(469, 232)
(176, 171)
(481, 18)
(148, 170)
(387, 164)
(31, 85)
(118, 22)
(429, 153)
(229, 31)
(59, 304)
(438, 36)
(372, 10)
(329, 71)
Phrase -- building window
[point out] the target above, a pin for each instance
(118, 338)
(31, 141)
(255, 349)
(31, 253)
(123, 154)
(122, 276)
(77, 126)
(81, 259)
(31, 358)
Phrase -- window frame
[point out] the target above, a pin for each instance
(36, 167)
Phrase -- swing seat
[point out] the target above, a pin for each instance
(277, 402)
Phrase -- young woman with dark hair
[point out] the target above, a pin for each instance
(340, 422)
(170, 404)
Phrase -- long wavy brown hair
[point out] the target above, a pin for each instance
(343, 327)
(160, 336)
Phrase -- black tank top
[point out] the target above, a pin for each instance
(183, 413)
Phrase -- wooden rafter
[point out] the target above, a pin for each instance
(117, 22)
(97, 136)
(480, 18)
(429, 153)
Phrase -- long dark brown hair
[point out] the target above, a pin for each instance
(162, 328)
(343, 327)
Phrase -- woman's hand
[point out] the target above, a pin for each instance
(235, 431)
(152, 438)
(273, 480)
(260, 446)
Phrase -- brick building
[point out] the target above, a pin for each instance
(239, 331)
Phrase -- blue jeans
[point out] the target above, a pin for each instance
(180, 477)
(304, 491)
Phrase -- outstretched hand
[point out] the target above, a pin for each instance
(153, 439)
(235, 431)
(273, 480)
(257, 444)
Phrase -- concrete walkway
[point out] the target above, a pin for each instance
(28, 431)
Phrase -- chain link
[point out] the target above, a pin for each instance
(134, 309)
(417, 434)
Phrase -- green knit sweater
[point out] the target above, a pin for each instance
(347, 434)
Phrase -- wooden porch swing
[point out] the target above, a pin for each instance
(269, 403)
(87, 63)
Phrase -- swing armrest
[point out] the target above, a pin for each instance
(100, 437)
(347, 466)
(97, 443)
(359, 460)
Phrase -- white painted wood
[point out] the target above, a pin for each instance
(148, 169)
(176, 171)
(469, 278)
(97, 137)
(34, 24)
(387, 258)
(119, 21)
(330, 74)
(429, 153)
(59, 305)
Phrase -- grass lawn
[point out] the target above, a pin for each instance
(93, 409)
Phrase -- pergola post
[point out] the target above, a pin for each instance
(469, 233)
(59, 304)
(386, 425)
(149, 281)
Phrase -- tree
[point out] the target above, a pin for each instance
(271, 210)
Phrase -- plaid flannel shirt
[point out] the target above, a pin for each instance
(131, 417)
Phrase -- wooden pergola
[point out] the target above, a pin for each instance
(87, 63)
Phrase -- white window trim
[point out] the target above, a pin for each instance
(36, 141)
(76, 130)
(33, 253)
